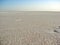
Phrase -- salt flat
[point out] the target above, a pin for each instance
(29, 28)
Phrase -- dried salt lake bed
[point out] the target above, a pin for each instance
(29, 28)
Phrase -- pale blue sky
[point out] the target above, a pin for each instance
(30, 5)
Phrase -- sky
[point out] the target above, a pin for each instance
(30, 5)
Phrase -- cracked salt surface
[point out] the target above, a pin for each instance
(32, 31)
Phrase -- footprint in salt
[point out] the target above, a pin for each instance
(18, 19)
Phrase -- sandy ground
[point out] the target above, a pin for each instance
(29, 28)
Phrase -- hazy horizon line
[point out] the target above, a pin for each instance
(29, 11)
